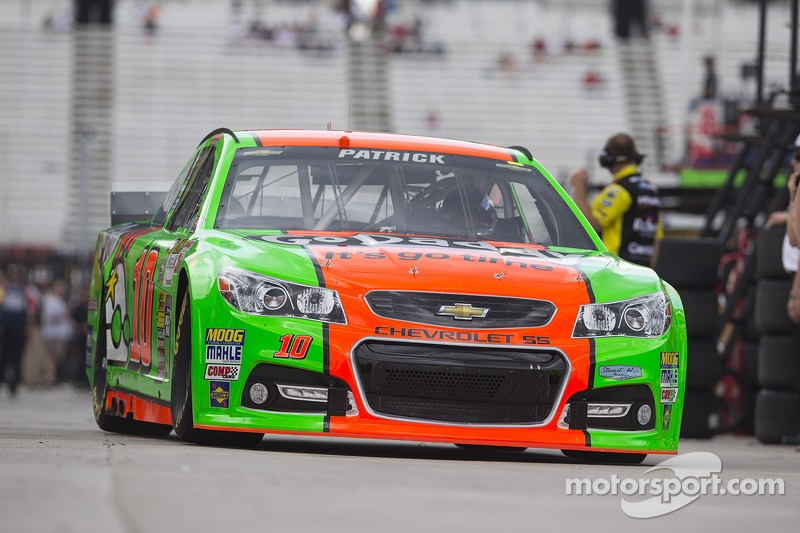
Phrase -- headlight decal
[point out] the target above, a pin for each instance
(261, 295)
(646, 316)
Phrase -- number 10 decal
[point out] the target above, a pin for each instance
(294, 346)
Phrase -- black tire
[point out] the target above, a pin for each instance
(771, 298)
(750, 363)
(491, 448)
(749, 329)
(698, 409)
(776, 363)
(689, 264)
(702, 312)
(181, 398)
(703, 366)
(768, 253)
(106, 420)
(605, 457)
(777, 415)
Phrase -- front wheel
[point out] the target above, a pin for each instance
(606, 457)
(181, 400)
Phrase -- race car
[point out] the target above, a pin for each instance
(380, 286)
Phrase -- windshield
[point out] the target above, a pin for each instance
(399, 192)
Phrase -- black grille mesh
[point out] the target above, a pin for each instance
(459, 384)
(454, 384)
(422, 307)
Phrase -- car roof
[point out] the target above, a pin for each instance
(367, 140)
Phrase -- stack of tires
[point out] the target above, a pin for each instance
(691, 267)
(776, 413)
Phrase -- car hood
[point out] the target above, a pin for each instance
(358, 263)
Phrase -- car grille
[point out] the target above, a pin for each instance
(422, 307)
(459, 384)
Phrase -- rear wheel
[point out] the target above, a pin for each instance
(106, 420)
(181, 401)
(606, 457)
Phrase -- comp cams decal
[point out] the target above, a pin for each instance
(669, 395)
(224, 345)
(222, 372)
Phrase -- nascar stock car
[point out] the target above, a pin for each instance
(380, 286)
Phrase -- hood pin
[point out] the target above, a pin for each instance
(502, 274)
(413, 270)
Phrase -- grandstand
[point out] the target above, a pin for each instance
(136, 107)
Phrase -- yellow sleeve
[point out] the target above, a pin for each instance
(660, 230)
(612, 202)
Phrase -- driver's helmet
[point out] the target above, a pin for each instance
(479, 205)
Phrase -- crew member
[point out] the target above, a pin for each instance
(627, 213)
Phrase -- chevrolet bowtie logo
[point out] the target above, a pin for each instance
(462, 311)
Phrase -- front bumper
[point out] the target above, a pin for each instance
(357, 407)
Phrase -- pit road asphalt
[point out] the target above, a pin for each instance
(60, 473)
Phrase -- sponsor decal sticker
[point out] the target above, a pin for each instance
(385, 155)
(220, 393)
(89, 346)
(669, 395)
(666, 416)
(222, 372)
(224, 345)
(459, 336)
(669, 359)
(446, 249)
(620, 372)
(669, 377)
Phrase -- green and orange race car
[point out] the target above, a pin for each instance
(380, 286)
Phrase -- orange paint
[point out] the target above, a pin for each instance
(383, 141)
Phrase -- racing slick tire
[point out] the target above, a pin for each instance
(689, 264)
(181, 398)
(775, 362)
(776, 415)
(698, 413)
(704, 365)
(702, 313)
(491, 448)
(768, 253)
(771, 298)
(109, 421)
(605, 457)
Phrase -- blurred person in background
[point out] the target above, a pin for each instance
(626, 213)
(76, 360)
(709, 91)
(14, 311)
(790, 256)
(56, 330)
(630, 18)
(791, 262)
